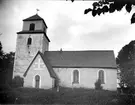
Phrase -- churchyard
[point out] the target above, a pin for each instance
(64, 96)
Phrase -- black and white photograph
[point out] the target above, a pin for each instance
(67, 52)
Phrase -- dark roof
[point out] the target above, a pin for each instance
(81, 59)
(32, 32)
(35, 18)
(46, 62)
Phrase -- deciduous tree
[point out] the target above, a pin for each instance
(104, 6)
(126, 63)
(6, 65)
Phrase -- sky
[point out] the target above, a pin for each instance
(68, 27)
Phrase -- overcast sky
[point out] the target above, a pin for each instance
(68, 27)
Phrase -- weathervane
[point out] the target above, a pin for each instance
(37, 10)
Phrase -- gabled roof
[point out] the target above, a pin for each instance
(81, 59)
(49, 67)
(35, 18)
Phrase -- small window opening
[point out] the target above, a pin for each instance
(29, 41)
(101, 76)
(75, 76)
(32, 27)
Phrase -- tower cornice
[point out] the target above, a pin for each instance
(33, 32)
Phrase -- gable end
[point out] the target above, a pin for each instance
(50, 69)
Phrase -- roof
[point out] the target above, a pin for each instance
(49, 67)
(32, 32)
(35, 18)
(81, 59)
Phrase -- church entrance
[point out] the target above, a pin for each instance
(37, 81)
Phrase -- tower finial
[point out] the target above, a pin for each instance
(37, 11)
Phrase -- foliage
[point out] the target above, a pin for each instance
(1, 56)
(6, 65)
(126, 54)
(6, 59)
(126, 64)
(98, 85)
(7, 97)
(104, 6)
(126, 99)
(5, 87)
(17, 82)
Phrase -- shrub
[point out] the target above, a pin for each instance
(98, 85)
(17, 82)
(5, 87)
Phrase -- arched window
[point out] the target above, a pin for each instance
(32, 27)
(75, 76)
(29, 41)
(101, 76)
(37, 81)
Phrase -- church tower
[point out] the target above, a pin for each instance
(30, 40)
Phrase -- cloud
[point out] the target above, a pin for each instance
(109, 37)
(109, 32)
(68, 27)
(9, 23)
(106, 36)
(60, 34)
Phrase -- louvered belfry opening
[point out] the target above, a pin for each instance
(29, 41)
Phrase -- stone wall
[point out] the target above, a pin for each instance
(24, 53)
(87, 77)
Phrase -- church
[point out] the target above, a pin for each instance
(46, 69)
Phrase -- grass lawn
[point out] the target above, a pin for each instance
(64, 96)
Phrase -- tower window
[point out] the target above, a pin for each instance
(101, 76)
(32, 27)
(75, 76)
(29, 41)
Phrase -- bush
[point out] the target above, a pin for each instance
(17, 82)
(5, 87)
(98, 85)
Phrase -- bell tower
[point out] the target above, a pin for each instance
(30, 40)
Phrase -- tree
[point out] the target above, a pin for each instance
(104, 6)
(1, 57)
(17, 82)
(6, 65)
(126, 64)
